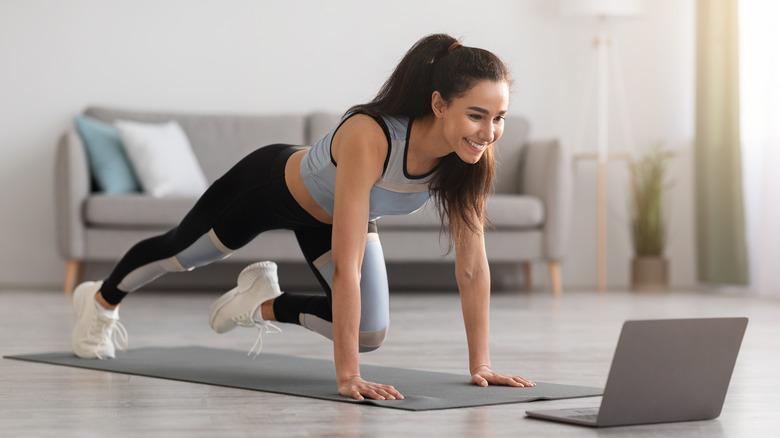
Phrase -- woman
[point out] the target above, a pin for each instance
(429, 132)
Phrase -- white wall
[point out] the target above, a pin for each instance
(245, 56)
(759, 113)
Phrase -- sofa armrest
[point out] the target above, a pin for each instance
(71, 188)
(545, 175)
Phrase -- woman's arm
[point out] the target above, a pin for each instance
(473, 276)
(359, 149)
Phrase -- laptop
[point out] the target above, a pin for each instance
(664, 371)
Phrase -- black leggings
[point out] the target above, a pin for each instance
(249, 199)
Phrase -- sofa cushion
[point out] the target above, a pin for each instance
(163, 159)
(135, 210)
(513, 211)
(108, 160)
(504, 211)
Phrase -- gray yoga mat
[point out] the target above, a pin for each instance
(423, 390)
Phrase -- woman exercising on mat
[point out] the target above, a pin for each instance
(429, 132)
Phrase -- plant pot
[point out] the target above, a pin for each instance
(649, 274)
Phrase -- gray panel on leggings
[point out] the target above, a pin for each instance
(374, 289)
(200, 253)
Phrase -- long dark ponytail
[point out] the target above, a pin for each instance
(440, 63)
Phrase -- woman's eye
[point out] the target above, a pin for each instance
(475, 116)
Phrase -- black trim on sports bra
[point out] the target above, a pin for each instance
(406, 151)
(381, 122)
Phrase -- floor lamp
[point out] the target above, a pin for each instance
(606, 62)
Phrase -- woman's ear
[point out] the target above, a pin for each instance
(438, 104)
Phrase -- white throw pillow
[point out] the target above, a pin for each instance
(163, 159)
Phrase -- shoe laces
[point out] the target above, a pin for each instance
(262, 328)
(109, 331)
(246, 320)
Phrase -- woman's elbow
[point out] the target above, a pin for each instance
(471, 274)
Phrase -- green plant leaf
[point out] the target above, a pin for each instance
(646, 207)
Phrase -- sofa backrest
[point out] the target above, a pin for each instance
(509, 154)
(219, 141)
(509, 149)
(319, 124)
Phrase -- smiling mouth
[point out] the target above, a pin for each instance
(477, 146)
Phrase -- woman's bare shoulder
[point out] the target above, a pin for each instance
(360, 131)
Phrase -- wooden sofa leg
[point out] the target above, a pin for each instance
(528, 272)
(555, 278)
(73, 270)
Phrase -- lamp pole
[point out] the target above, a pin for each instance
(602, 46)
(605, 52)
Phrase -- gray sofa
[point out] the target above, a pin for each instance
(529, 208)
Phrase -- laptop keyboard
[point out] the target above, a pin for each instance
(590, 414)
(586, 417)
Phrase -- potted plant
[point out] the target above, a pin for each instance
(649, 267)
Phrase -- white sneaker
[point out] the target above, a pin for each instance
(257, 283)
(96, 336)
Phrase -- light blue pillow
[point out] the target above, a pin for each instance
(108, 160)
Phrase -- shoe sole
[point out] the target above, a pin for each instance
(78, 305)
(79, 296)
(244, 285)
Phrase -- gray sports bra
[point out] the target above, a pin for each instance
(395, 193)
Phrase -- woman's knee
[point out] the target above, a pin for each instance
(370, 341)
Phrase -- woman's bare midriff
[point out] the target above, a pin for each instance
(292, 176)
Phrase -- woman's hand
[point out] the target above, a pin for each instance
(358, 388)
(483, 376)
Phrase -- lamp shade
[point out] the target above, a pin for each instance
(602, 8)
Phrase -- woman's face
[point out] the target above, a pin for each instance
(474, 121)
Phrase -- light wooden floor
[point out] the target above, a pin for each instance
(570, 340)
